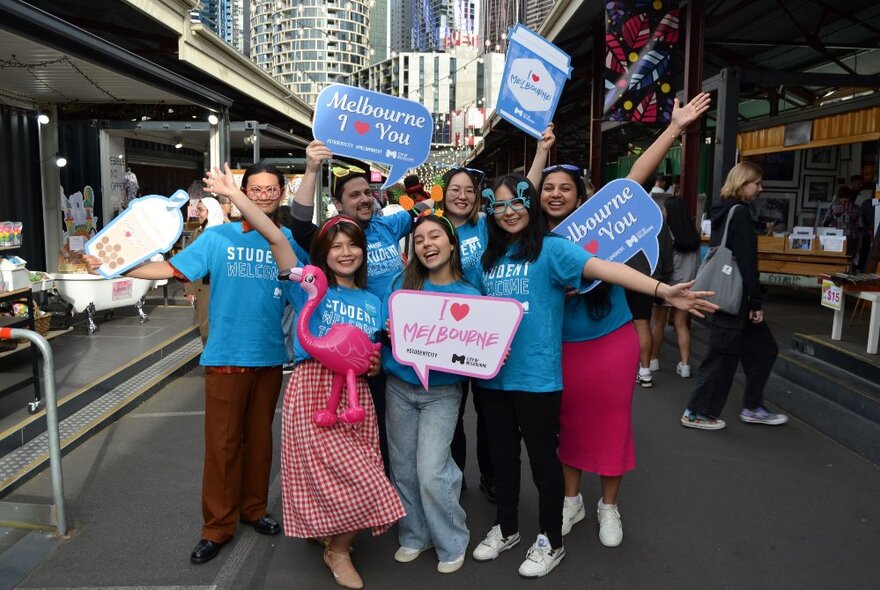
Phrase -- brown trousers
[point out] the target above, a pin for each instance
(239, 409)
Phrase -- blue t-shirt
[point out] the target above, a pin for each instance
(405, 372)
(247, 299)
(472, 240)
(383, 250)
(578, 327)
(535, 362)
(340, 305)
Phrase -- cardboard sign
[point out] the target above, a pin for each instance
(149, 226)
(374, 127)
(832, 295)
(534, 74)
(460, 334)
(616, 223)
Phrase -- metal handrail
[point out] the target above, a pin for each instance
(51, 417)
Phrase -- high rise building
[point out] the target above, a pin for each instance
(536, 12)
(380, 30)
(227, 18)
(433, 25)
(497, 17)
(309, 44)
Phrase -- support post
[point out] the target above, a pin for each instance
(725, 129)
(597, 98)
(693, 81)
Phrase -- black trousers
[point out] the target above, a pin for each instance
(459, 439)
(512, 416)
(733, 340)
(377, 392)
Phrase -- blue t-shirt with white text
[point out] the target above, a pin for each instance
(383, 250)
(579, 327)
(535, 361)
(472, 240)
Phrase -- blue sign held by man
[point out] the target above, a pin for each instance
(616, 223)
(534, 74)
(374, 127)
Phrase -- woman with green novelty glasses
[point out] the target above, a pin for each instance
(522, 261)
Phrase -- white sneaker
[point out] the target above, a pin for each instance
(655, 365)
(683, 370)
(572, 513)
(447, 567)
(645, 378)
(494, 543)
(408, 554)
(541, 559)
(610, 527)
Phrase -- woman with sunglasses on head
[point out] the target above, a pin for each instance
(333, 483)
(598, 339)
(522, 402)
(421, 423)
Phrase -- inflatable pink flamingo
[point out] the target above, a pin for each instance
(344, 349)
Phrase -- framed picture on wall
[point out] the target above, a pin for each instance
(817, 191)
(781, 169)
(806, 218)
(777, 207)
(823, 158)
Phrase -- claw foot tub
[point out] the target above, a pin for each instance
(92, 293)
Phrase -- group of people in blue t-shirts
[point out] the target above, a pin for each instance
(565, 388)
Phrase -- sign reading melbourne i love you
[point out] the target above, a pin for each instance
(616, 223)
(375, 127)
(534, 73)
(460, 334)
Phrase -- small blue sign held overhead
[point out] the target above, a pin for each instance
(374, 127)
(616, 223)
(534, 75)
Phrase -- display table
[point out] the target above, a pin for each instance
(873, 324)
(776, 260)
(23, 296)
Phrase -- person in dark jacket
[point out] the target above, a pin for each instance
(743, 337)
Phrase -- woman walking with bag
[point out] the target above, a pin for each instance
(741, 335)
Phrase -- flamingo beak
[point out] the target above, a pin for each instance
(296, 275)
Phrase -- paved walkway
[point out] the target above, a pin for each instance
(746, 507)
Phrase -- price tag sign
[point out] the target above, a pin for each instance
(832, 295)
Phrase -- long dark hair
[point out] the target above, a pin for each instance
(323, 240)
(415, 274)
(532, 237)
(684, 233)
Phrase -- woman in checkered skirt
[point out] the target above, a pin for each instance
(333, 478)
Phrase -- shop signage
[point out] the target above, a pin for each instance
(460, 334)
(832, 295)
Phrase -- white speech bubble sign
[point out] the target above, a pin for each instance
(460, 334)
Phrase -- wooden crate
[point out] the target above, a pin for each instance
(771, 244)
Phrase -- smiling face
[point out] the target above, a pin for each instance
(263, 189)
(460, 198)
(344, 258)
(558, 196)
(356, 200)
(511, 221)
(432, 246)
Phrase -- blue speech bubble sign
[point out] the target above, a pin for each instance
(616, 223)
(374, 127)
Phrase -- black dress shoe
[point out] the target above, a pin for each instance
(205, 551)
(265, 525)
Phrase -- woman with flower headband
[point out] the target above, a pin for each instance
(599, 340)
(421, 423)
(522, 402)
(333, 482)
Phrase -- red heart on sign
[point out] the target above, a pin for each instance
(361, 127)
(592, 247)
(459, 310)
(535, 77)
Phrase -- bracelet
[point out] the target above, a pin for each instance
(674, 136)
(657, 286)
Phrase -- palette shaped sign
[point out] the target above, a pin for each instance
(460, 334)
(615, 224)
(374, 127)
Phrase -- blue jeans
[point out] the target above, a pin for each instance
(420, 427)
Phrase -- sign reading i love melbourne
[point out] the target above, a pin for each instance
(374, 127)
(460, 334)
(615, 224)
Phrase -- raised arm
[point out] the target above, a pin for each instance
(223, 183)
(647, 163)
(153, 271)
(545, 144)
(316, 153)
(679, 296)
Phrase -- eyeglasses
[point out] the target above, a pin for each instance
(340, 171)
(517, 203)
(270, 192)
(454, 191)
(570, 167)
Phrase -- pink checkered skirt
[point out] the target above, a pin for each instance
(333, 479)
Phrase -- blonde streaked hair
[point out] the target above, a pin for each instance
(739, 176)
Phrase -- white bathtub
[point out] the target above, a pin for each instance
(92, 293)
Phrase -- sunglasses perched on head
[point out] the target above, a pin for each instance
(570, 167)
(340, 171)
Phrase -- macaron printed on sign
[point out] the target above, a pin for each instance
(374, 127)
(534, 75)
(148, 226)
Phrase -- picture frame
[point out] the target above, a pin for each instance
(807, 218)
(778, 207)
(822, 158)
(817, 190)
(781, 169)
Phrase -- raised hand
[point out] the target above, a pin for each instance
(548, 139)
(317, 152)
(682, 116)
(222, 183)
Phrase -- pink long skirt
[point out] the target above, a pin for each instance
(595, 422)
(333, 479)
